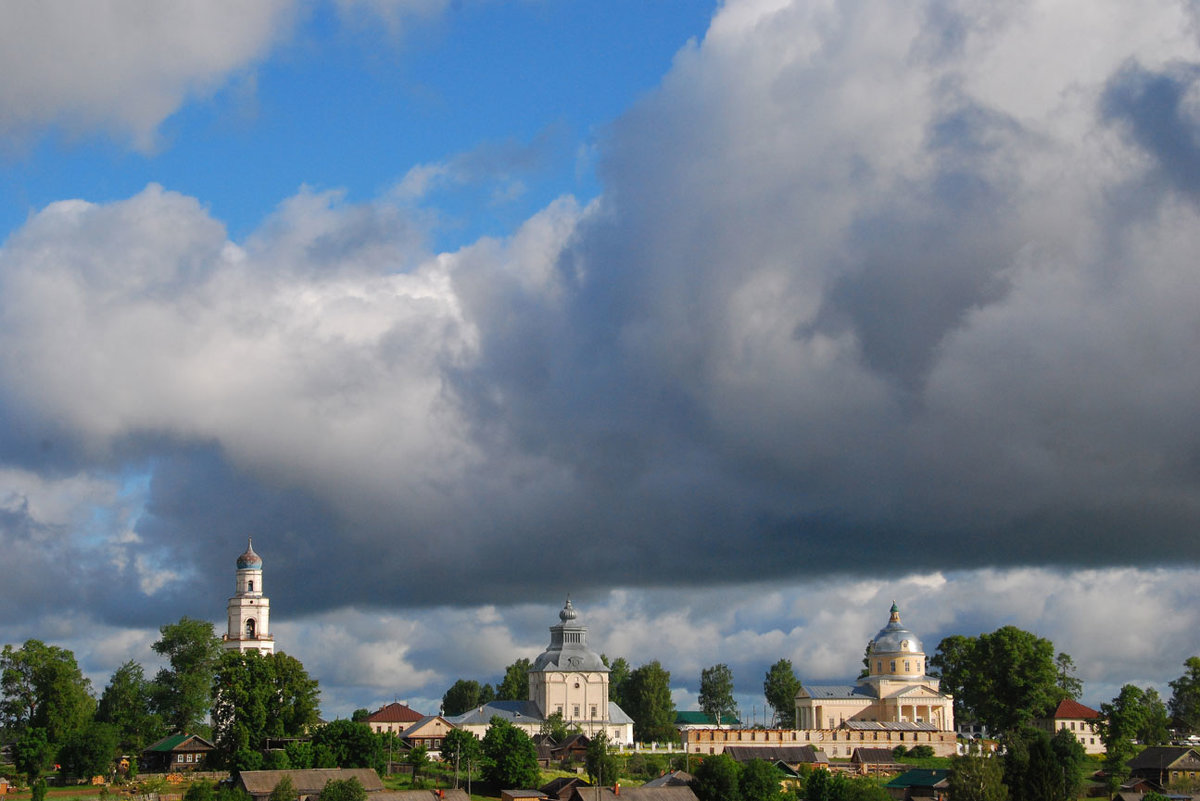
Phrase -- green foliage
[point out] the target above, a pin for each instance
(90, 751)
(716, 692)
(299, 754)
(256, 697)
(515, 685)
(648, 695)
(716, 778)
(32, 753)
(1071, 686)
(1153, 796)
(1185, 696)
(464, 695)
(1003, 679)
(1037, 769)
(41, 686)
(921, 751)
(183, 692)
(276, 759)
(602, 767)
(865, 788)
(760, 781)
(555, 727)
(346, 744)
(899, 752)
(126, 703)
(201, 791)
(1135, 714)
(39, 790)
(977, 778)
(462, 748)
(821, 785)
(511, 756)
(618, 677)
(360, 715)
(1069, 753)
(284, 790)
(343, 790)
(418, 760)
(780, 686)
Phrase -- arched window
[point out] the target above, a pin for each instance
(250, 629)
(250, 586)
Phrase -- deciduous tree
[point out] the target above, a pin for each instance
(515, 685)
(759, 780)
(717, 779)
(780, 687)
(90, 751)
(462, 748)
(618, 680)
(346, 744)
(418, 760)
(284, 790)
(256, 697)
(125, 703)
(716, 692)
(466, 694)
(32, 753)
(511, 756)
(343, 790)
(648, 695)
(977, 778)
(602, 767)
(183, 690)
(41, 686)
(1185, 696)
(1135, 714)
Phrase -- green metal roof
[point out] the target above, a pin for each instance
(697, 718)
(174, 741)
(919, 777)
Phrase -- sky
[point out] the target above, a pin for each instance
(734, 321)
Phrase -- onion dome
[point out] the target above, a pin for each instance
(894, 638)
(568, 612)
(249, 560)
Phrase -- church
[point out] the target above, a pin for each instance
(249, 611)
(569, 679)
(894, 703)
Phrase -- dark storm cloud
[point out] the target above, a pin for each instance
(848, 296)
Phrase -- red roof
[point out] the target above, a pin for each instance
(395, 713)
(1073, 709)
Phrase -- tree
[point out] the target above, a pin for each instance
(921, 751)
(555, 727)
(346, 744)
(1067, 681)
(1003, 679)
(89, 751)
(1135, 714)
(1071, 756)
(648, 695)
(515, 685)
(463, 748)
(1037, 769)
(822, 785)
(466, 694)
(716, 693)
(41, 686)
(360, 715)
(256, 697)
(284, 790)
(418, 760)
(759, 781)
(511, 756)
(602, 767)
(977, 778)
(1185, 697)
(780, 686)
(32, 753)
(716, 779)
(125, 703)
(343, 790)
(183, 691)
(618, 678)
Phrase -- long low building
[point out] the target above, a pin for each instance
(259, 783)
(839, 743)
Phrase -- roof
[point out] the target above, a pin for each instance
(555, 786)
(888, 725)
(1159, 757)
(307, 782)
(643, 793)
(832, 691)
(1070, 708)
(873, 756)
(249, 560)
(421, 795)
(894, 638)
(395, 712)
(694, 717)
(919, 777)
(676, 778)
(415, 729)
(175, 741)
(771, 753)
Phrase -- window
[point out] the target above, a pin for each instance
(893, 667)
(250, 586)
(250, 629)
(558, 709)
(179, 757)
(575, 712)
(593, 711)
(906, 667)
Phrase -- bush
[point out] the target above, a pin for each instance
(899, 752)
(921, 752)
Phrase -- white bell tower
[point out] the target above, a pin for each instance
(249, 610)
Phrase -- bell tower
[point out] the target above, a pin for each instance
(249, 610)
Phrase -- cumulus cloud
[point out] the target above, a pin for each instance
(124, 66)
(872, 288)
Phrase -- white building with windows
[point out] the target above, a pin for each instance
(249, 611)
(567, 678)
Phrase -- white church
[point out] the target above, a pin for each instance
(249, 611)
(567, 678)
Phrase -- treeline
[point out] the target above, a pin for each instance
(49, 714)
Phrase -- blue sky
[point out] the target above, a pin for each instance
(734, 320)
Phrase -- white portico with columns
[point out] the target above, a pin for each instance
(249, 611)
